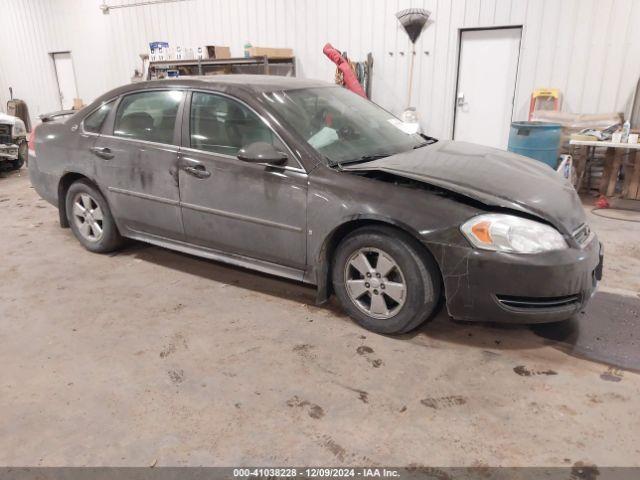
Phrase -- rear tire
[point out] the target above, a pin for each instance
(90, 218)
(385, 280)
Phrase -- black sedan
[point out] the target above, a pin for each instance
(308, 181)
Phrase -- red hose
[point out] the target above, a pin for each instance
(602, 202)
(350, 80)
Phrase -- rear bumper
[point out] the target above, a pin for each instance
(510, 288)
(46, 185)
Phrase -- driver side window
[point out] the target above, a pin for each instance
(221, 125)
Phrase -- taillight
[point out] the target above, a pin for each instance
(31, 141)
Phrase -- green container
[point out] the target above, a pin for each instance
(538, 140)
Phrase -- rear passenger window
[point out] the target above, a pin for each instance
(93, 122)
(149, 116)
(221, 125)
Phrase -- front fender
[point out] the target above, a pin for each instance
(339, 202)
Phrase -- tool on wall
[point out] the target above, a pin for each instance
(413, 21)
(349, 77)
(362, 70)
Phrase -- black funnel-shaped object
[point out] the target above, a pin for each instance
(413, 21)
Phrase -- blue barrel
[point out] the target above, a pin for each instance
(539, 140)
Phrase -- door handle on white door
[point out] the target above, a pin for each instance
(460, 99)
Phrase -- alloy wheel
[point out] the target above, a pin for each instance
(375, 283)
(88, 217)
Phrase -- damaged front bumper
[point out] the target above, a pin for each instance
(8, 152)
(516, 288)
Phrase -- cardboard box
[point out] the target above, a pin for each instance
(218, 52)
(271, 52)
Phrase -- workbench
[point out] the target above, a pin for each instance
(614, 161)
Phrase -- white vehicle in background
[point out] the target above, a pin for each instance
(13, 142)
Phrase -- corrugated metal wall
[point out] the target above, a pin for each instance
(587, 48)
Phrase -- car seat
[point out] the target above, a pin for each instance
(233, 124)
(207, 132)
(137, 125)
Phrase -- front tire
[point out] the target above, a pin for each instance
(90, 218)
(385, 280)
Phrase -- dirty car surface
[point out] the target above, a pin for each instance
(308, 181)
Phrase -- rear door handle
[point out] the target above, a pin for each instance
(102, 152)
(197, 171)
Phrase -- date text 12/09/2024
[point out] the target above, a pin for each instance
(316, 472)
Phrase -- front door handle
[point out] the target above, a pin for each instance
(197, 171)
(102, 152)
(460, 99)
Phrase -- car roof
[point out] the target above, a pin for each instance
(235, 84)
(229, 83)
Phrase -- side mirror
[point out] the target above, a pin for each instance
(261, 152)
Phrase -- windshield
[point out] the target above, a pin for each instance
(343, 126)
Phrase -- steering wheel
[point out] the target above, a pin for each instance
(347, 133)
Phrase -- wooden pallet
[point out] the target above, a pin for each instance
(631, 184)
(617, 160)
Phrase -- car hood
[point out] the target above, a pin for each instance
(491, 176)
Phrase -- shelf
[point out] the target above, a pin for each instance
(197, 67)
(219, 61)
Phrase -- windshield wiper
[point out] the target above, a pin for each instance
(369, 158)
(362, 159)
(429, 141)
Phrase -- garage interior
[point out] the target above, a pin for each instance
(147, 357)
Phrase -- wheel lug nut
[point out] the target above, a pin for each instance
(375, 292)
(367, 285)
(368, 275)
(377, 275)
(382, 286)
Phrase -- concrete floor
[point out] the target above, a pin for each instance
(150, 357)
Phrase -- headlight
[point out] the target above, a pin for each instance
(508, 233)
(19, 130)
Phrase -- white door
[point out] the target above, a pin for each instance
(486, 85)
(66, 79)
